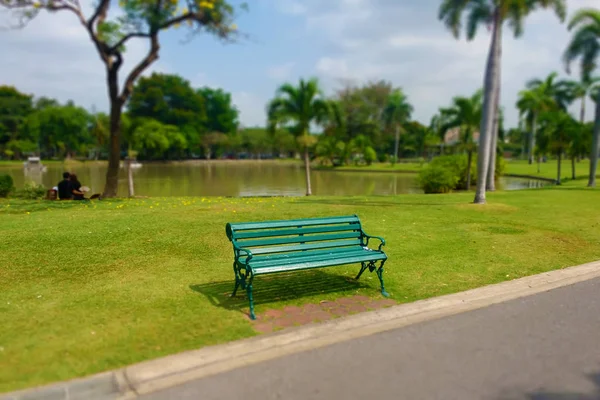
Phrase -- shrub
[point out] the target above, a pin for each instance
(31, 191)
(369, 155)
(6, 185)
(456, 166)
(437, 179)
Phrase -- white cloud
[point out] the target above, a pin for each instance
(402, 41)
(53, 56)
(251, 107)
(281, 72)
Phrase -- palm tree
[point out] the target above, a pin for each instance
(560, 129)
(396, 113)
(465, 115)
(581, 90)
(492, 13)
(300, 107)
(541, 96)
(585, 45)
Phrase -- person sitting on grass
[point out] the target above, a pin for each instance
(64, 188)
(76, 188)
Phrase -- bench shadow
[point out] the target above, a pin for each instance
(275, 288)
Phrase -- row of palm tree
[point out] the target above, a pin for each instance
(301, 107)
(298, 108)
(584, 46)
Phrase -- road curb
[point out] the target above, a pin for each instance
(150, 376)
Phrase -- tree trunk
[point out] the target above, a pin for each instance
(558, 168)
(582, 112)
(114, 154)
(594, 152)
(532, 138)
(396, 144)
(489, 107)
(573, 175)
(491, 176)
(469, 161)
(130, 178)
(307, 170)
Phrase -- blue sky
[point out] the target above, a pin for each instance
(335, 40)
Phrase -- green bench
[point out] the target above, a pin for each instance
(289, 245)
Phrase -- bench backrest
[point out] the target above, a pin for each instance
(284, 236)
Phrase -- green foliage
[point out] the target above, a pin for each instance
(297, 107)
(14, 109)
(222, 116)
(447, 173)
(437, 179)
(6, 185)
(369, 155)
(168, 99)
(31, 191)
(153, 140)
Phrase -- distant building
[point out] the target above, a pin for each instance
(452, 137)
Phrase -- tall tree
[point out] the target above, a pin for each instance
(397, 112)
(491, 13)
(585, 46)
(169, 99)
(541, 96)
(465, 115)
(110, 33)
(14, 109)
(221, 114)
(300, 106)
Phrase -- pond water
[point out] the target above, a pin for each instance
(239, 178)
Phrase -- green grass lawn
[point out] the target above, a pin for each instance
(378, 167)
(90, 287)
(549, 169)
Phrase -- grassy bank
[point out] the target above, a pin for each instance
(89, 287)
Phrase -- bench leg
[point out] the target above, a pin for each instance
(237, 280)
(363, 267)
(250, 298)
(380, 276)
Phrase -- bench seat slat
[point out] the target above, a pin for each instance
(259, 259)
(261, 262)
(292, 223)
(298, 239)
(304, 247)
(297, 231)
(368, 256)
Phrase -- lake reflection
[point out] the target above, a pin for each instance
(240, 178)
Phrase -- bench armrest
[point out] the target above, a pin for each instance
(240, 249)
(382, 240)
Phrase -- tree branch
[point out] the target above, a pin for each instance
(126, 38)
(137, 71)
(100, 13)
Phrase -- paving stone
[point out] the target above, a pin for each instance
(274, 314)
(388, 302)
(303, 319)
(292, 310)
(311, 307)
(283, 322)
(362, 299)
(346, 301)
(356, 308)
(327, 304)
(339, 311)
(264, 327)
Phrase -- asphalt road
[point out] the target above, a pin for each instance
(545, 346)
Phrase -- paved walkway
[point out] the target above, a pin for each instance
(545, 346)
